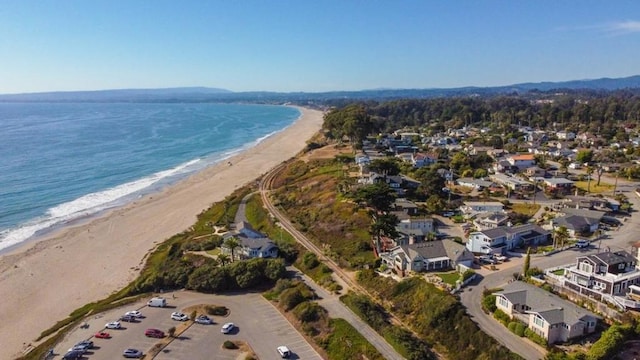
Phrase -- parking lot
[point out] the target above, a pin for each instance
(259, 324)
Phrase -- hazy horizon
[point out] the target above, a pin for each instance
(53, 46)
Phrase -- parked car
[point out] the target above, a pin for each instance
(487, 259)
(179, 316)
(500, 258)
(82, 348)
(113, 325)
(132, 353)
(87, 343)
(227, 328)
(284, 351)
(154, 333)
(73, 354)
(102, 335)
(583, 244)
(134, 313)
(128, 318)
(204, 319)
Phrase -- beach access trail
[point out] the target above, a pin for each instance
(43, 281)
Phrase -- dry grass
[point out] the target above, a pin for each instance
(593, 187)
(525, 208)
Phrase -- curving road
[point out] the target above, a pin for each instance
(471, 297)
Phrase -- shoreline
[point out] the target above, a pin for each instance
(189, 167)
(43, 279)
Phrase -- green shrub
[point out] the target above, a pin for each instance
(229, 345)
(501, 316)
(520, 329)
(535, 337)
(489, 304)
(217, 310)
(308, 311)
(609, 344)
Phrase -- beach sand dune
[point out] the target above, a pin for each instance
(42, 281)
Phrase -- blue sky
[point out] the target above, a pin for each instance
(287, 45)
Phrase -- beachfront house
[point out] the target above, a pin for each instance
(251, 243)
(429, 256)
(554, 319)
(504, 238)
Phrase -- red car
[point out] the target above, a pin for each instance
(102, 335)
(154, 333)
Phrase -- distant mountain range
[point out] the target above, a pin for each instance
(205, 94)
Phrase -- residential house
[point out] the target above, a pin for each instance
(419, 160)
(504, 238)
(428, 256)
(522, 161)
(512, 182)
(478, 184)
(490, 220)
(405, 206)
(399, 183)
(546, 314)
(603, 275)
(504, 166)
(578, 221)
(251, 243)
(559, 184)
(566, 135)
(413, 230)
(535, 171)
(471, 208)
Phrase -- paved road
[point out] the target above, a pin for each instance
(337, 309)
(471, 297)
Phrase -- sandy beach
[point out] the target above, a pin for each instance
(42, 281)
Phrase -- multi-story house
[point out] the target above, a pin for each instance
(500, 239)
(549, 316)
(605, 273)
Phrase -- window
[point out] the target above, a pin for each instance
(503, 302)
(538, 320)
(586, 267)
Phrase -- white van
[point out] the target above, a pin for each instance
(157, 302)
(284, 351)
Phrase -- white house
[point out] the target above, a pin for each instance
(497, 240)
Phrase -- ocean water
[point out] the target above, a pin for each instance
(61, 162)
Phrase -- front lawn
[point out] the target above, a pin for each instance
(450, 277)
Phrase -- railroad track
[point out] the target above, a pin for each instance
(266, 184)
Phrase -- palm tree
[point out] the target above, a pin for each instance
(560, 235)
(589, 171)
(384, 224)
(223, 259)
(232, 244)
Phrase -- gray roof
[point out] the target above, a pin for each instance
(513, 230)
(549, 306)
(575, 222)
(591, 214)
(438, 248)
(261, 244)
(611, 258)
